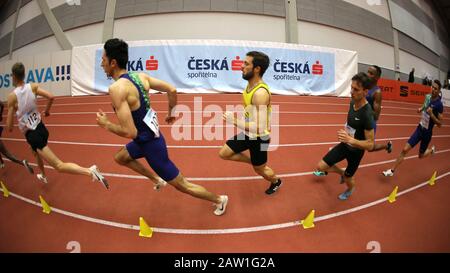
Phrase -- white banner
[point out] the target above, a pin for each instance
(52, 71)
(212, 66)
(446, 97)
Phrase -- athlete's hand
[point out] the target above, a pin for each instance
(102, 119)
(344, 137)
(170, 119)
(228, 117)
(429, 110)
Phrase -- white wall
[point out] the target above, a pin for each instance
(87, 35)
(42, 46)
(380, 9)
(55, 3)
(28, 12)
(408, 61)
(369, 51)
(7, 26)
(410, 25)
(201, 26)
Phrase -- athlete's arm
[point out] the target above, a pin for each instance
(126, 127)
(437, 120)
(377, 105)
(43, 93)
(160, 85)
(366, 144)
(12, 100)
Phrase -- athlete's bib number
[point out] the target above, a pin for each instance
(32, 120)
(425, 121)
(151, 119)
(350, 130)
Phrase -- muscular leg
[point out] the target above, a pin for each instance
(402, 155)
(427, 153)
(323, 166)
(40, 163)
(181, 184)
(227, 153)
(267, 173)
(64, 167)
(123, 158)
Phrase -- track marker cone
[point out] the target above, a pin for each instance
(5, 190)
(45, 207)
(144, 229)
(432, 179)
(393, 194)
(308, 222)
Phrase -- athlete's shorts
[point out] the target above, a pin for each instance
(38, 137)
(258, 147)
(155, 152)
(422, 135)
(343, 151)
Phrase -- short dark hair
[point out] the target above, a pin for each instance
(18, 70)
(260, 59)
(378, 69)
(363, 79)
(117, 49)
(438, 83)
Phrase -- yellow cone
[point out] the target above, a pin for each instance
(45, 207)
(432, 179)
(145, 230)
(393, 194)
(5, 190)
(308, 222)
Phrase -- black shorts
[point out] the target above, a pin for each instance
(258, 147)
(343, 151)
(38, 137)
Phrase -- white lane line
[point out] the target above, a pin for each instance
(240, 178)
(206, 146)
(294, 223)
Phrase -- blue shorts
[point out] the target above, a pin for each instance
(155, 152)
(422, 135)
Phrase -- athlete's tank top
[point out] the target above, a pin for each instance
(143, 131)
(369, 96)
(248, 96)
(27, 112)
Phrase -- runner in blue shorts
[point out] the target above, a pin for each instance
(431, 115)
(138, 121)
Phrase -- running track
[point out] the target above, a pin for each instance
(107, 220)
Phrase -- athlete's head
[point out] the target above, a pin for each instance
(115, 56)
(256, 63)
(18, 73)
(436, 88)
(360, 85)
(374, 73)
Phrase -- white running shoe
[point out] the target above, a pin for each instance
(220, 208)
(388, 173)
(96, 175)
(161, 183)
(27, 166)
(2, 165)
(42, 178)
(433, 150)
